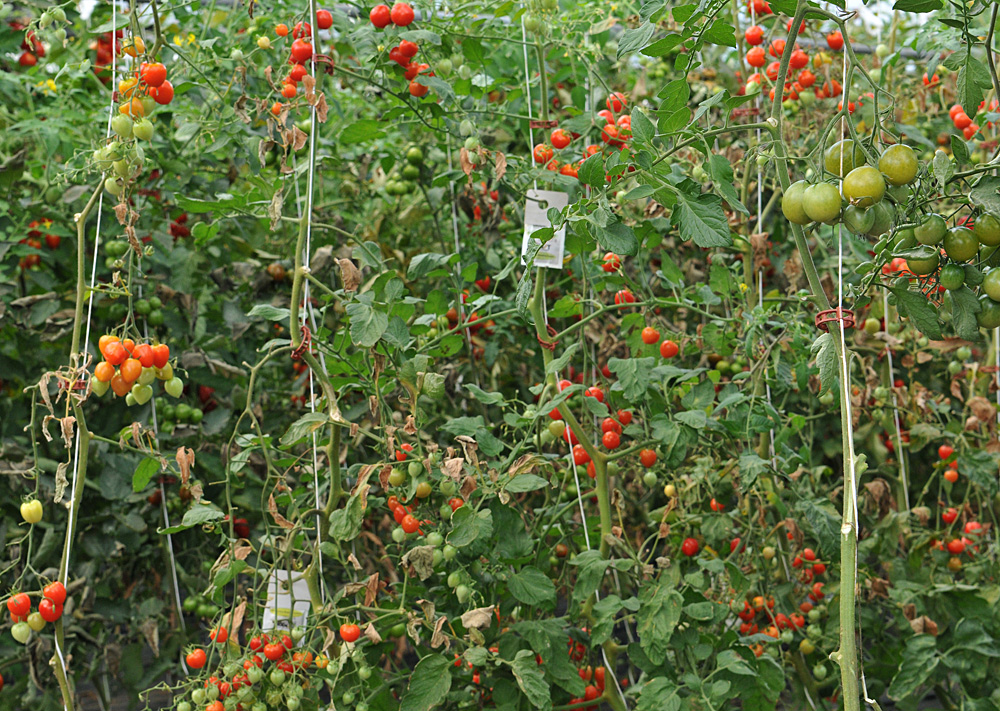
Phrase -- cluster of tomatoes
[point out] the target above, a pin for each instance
(129, 370)
(267, 675)
(300, 52)
(963, 123)
(50, 609)
(401, 15)
(34, 240)
(105, 47)
(810, 565)
(795, 85)
(31, 48)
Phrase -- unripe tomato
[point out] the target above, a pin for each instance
(31, 511)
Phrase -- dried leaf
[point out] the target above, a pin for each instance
(478, 618)
(463, 158)
(438, 638)
(352, 559)
(500, 165)
(924, 625)
(371, 589)
(452, 468)
(349, 274)
(469, 447)
(272, 508)
(185, 461)
(274, 208)
(151, 631)
(322, 109)
(468, 486)
(523, 464)
(61, 481)
(410, 426)
(372, 634)
(421, 559)
(68, 427)
(298, 137)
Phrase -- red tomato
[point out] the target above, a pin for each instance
(56, 592)
(689, 547)
(380, 16)
(611, 440)
(401, 14)
(754, 34)
(196, 658)
(324, 20)
(647, 457)
(835, 40)
(560, 139)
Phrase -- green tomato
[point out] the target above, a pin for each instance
(826, 398)
(122, 125)
(952, 277)
(454, 579)
(842, 157)
(155, 318)
(449, 552)
(364, 672)
(277, 677)
(415, 468)
(463, 593)
(858, 220)
(557, 428)
(899, 164)
(174, 388)
(415, 156)
(872, 325)
(924, 265)
(821, 202)
(36, 622)
(347, 698)
(398, 534)
(931, 230)
(184, 706)
(791, 203)
(960, 244)
(397, 477)
(21, 632)
(864, 186)
(434, 538)
(987, 230)
(989, 313)
(143, 129)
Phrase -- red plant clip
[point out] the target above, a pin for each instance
(825, 318)
(305, 345)
(538, 123)
(548, 345)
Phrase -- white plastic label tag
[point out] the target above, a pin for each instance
(286, 608)
(535, 218)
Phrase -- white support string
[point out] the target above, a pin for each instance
(527, 96)
(80, 358)
(895, 409)
(996, 375)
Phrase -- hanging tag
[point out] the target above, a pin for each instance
(287, 606)
(536, 218)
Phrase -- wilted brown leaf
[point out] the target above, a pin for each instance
(349, 274)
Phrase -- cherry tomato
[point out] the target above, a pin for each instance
(350, 632)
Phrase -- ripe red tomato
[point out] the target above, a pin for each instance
(951, 476)
(974, 528)
(945, 451)
(410, 523)
(612, 262)
(835, 40)
(668, 349)
(401, 14)
(219, 635)
(457, 503)
(302, 51)
(611, 440)
(647, 457)
(163, 94)
(798, 60)
(56, 592)
(380, 16)
(956, 546)
(301, 30)
(616, 102)
(580, 456)
(560, 139)
(949, 516)
(955, 111)
(27, 59)
(809, 554)
(401, 453)
(609, 424)
(196, 658)
(777, 48)
(594, 392)
(624, 296)
(19, 604)
(689, 547)
(756, 57)
(806, 78)
(543, 153)
(273, 651)
(754, 34)
(144, 354)
(324, 20)
(650, 335)
(715, 505)
(289, 91)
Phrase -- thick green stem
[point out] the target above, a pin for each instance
(847, 655)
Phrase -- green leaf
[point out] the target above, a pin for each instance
(618, 238)
(634, 375)
(702, 219)
(973, 79)
(423, 264)
(483, 396)
(468, 525)
(943, 166)
(981, 468)
(532, 587)
(147, 469)
(660, 694)
(530, 679)
(195, 516)
(986, 195)
(632, 40)
(345, 523)
(824, 521)
(303, 427)
(560, 363)
(721, 172)
(964, 307)
(659, 612)
(591, 565)
(526, 482)
(675, 96)
(918, 664)
(825, 354)
(592, 172)
(959, 149)
(923, 315)
(700, 610)
(721, 32)
(367, 323)
(361, 131)
(642, 128)
(918, 5)
(271, 313)
(429, 684)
